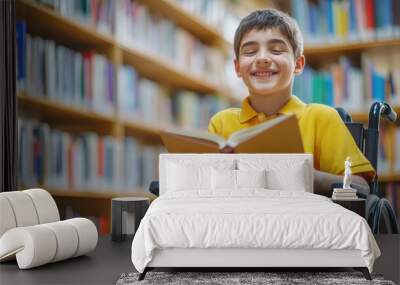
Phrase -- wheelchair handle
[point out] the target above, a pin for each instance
(389, 113)
(377, 110)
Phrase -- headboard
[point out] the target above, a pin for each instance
(215, 159)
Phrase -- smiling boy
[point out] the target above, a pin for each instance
(268, 54)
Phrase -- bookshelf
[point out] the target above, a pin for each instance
(149, 132)
(98, 194)
(348, 48)
(161, 70)
(57, 111)
(389, 178)
(354, 46)
(45, 22)
(363, 116)
(203, 31)
(357, 47)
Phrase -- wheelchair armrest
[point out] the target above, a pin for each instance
(155, 187)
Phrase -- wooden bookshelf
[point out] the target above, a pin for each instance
(99, 194)
(389, 178)
(348, 47)
(363, 116)
(146, 131)
(330, 52)
(66, 117)
(47, 23)
(188, 21)
(360, 117)
(44, 21)
(162, 70)
(56, 111)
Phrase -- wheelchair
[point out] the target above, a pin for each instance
(379, 213)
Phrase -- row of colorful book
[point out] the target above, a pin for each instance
(327, 21)
(91, 162)
(354, 88)
(103, 14)
(85, 161)
(211, 11)
(140, 99)
(46, 70)
(99, 14)
(84, 79)
(191, 112)
(137, 26)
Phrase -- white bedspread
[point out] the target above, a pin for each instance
(250, 219)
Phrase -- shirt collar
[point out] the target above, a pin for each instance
(293, 106)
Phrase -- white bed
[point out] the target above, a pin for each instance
(231, 219)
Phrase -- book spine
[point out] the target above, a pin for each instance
(101, 161)
(350, 20)
(369, 12)
(21, 61)
(396, 16)
(70, 164)
(378, 86)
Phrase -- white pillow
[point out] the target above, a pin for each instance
(188, 173)
(293, 180)
(223, 179)
(181, 177)
(236, 179)
(251, 178)
(285, 174)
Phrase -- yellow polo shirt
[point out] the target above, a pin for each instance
(322, 130)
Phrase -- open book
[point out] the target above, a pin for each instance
(279, 135)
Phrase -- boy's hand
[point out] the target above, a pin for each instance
(226, 149)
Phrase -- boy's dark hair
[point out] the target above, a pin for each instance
(267, 19)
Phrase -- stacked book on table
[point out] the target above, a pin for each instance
(344, 194)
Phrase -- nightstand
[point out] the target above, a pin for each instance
(355, 205)
(127, 212)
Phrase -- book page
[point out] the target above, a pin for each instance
(183, 144)
(205, 136)
(243, 135)
(283, 136)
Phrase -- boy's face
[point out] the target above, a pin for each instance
(266, 63)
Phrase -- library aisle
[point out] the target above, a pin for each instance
(98, 80)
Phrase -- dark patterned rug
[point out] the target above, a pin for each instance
(228, 278)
